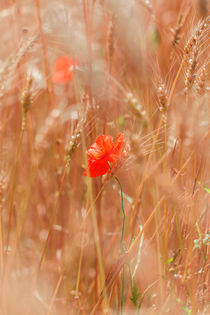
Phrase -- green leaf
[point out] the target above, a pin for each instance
(170, 260)
(187, 310)
(206, 239)
(141, 301)
(207, 189)
(135, 294)
(196, 243)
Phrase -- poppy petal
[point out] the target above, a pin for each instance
(105, 142)
(119, 143)
(116, 153)
(63, 63)
(62, 77)
(95, 152)
(96, 167)
(101, 147)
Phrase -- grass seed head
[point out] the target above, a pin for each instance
(162, 98)
(201, 80)
(26, 100)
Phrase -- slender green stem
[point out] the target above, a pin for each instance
(123, 224)
(129, 252)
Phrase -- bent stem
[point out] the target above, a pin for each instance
(128, 254)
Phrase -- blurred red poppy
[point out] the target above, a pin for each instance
(104, 154)
(64, 67)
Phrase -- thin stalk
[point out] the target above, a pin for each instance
(24, 205)
(13, 186)
(159, 254)
(54, 294)
(145, 226)
(88, 31)
(1, 247)
(179, 233)
(121, 243)
(166, 148)
(128, 253)
(144, 177)
(165, 241)
(122, 294)
(53, 218)
(123, 211)
(94, 201)
(98, 245)
(80, 259)
(175, 80)
(80, 265)
(46, 64)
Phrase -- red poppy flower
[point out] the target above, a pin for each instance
(104, 154)
(64, 67)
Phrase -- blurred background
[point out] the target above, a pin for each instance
(135, 67)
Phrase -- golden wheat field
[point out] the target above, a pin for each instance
(104, 157)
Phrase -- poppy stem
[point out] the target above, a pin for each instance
(123, 224)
